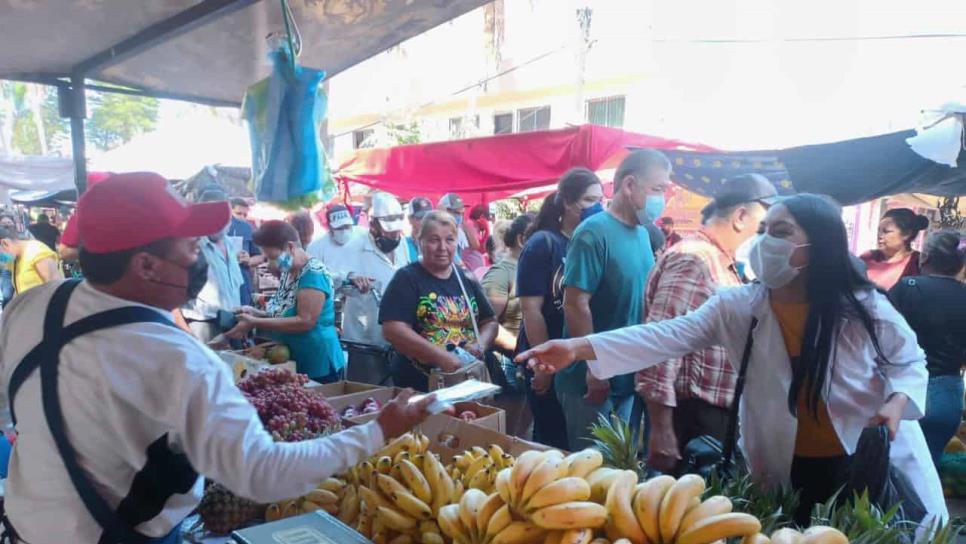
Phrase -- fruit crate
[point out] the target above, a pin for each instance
(243, 366)
(340, 389)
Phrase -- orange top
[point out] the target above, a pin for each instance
(816, 436)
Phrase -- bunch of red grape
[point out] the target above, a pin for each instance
(289, 411)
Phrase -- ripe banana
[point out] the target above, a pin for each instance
(416, 481)
(582, 463)
(412, 506)
(647, 505)
(481, 480)
(545, 474)
(431, 538)
(496, 454)
(402, 539)
(273, 512)
(458, 490)
(713, 506)
(475, 468)
(384, 464)
(553, 537)
(756, 538)
(321, 496)
(373, 498)
(400, 456)
(600, 481)
(564, 490)
(519, 532)
(521, 471)
(333, 485)
(675, 504)
(487, 511)
(499, 521)
(571, 515)
(388, 486)
(721, 527)
(786, 536)
(349, 506)
(470, 506)
(364, 527)
(394, 519)
(820, 534)
(450, 523)
(502, 485)
(577, 536)
(620, 510)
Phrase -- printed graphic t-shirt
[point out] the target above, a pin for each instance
(434, 308)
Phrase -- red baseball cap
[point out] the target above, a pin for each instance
(131, 210)
(70, 237)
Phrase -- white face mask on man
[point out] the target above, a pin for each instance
(770, 258)
(341, 236)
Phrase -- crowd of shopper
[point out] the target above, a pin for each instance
(614, 309)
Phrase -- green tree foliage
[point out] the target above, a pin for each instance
(114, 119)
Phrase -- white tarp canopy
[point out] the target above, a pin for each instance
(208, 50)
(32, 174)
(180, 147)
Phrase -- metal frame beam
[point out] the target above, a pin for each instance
(156, 34)
(160, 32)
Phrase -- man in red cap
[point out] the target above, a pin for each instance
(119, 411)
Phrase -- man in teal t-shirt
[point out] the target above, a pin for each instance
(607, 265)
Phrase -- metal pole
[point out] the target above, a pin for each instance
(78, 111)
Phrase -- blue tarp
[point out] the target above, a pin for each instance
(850, 171)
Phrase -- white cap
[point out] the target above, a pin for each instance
(385, 205)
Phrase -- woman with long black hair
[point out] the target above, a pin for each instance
(539, 276)
(830, 356)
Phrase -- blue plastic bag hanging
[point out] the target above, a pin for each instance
(284, 113)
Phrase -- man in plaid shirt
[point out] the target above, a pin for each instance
(690, 397)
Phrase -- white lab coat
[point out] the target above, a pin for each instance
(361, 311)
(857, 389)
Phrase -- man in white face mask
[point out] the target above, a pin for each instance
(333, 248)
(690, 397)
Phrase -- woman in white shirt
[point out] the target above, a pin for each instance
(830, 357)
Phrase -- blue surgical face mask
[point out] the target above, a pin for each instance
(459, 219)
(6, 258)
(591, 211)
(653, 208)
(284, 262)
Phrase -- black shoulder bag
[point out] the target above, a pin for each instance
(705, 454)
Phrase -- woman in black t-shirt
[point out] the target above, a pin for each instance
(934, 304)
(540, 290)
(424, 311)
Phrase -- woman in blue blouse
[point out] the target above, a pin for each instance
(301, 314)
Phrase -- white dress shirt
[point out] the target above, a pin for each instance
(333, 256)
(122, 389)
(361, 313)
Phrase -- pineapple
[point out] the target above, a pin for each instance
(613, 437)
(774, 508)
(222, 511)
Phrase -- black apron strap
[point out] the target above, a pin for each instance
(46, 357)
(103, 320)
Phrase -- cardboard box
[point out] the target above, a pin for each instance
(243, 366)
(338, 389)
(489, 417)
(450, 436)
(314, 528)
(356, 400)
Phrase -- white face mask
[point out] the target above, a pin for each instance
(769, 259)
(341, 236)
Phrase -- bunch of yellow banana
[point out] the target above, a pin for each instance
(477, 468)
(334, 495)
(402, 499)
(485, 519)
(663, 510)
(818, 534)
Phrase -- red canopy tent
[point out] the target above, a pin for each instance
(491, 168)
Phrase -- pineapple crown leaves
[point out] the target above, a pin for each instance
(613, 437)
(862, 521)
(774, 508)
